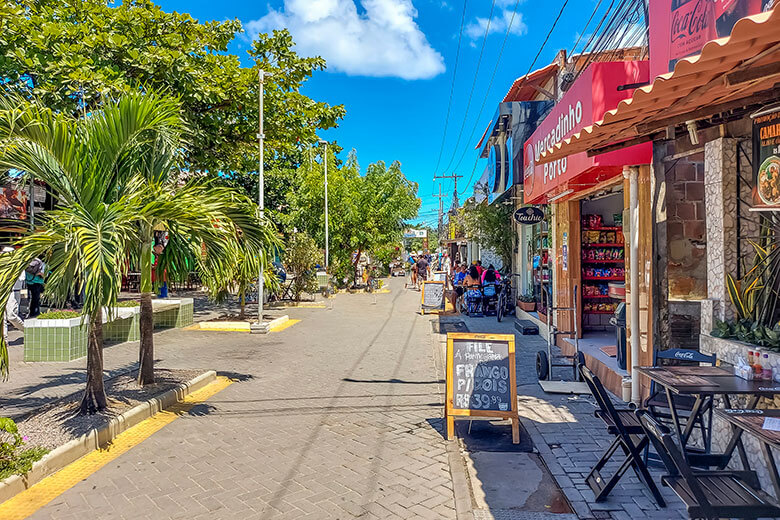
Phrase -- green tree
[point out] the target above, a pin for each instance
(300, 257)
(73, 55)
(129, 150)
(369, 211)
(491, 226)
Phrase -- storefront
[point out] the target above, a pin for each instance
(587, 199)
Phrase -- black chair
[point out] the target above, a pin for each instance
(658, 404)
(629, 436)
(707, 494)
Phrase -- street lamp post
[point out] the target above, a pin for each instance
(260, 191)
(325, 160)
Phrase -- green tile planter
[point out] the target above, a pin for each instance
(55, 340)
(124, 327)
(170, 314)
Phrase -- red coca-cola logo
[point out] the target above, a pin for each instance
(690, 20)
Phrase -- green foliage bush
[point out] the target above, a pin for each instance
(58, 315)
(13, 459)
(749, 332)
(300, 257)
(128, 303)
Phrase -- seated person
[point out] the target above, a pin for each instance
(490, 280)
(472, 283)
(457, 285)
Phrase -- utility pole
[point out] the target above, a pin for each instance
(261, 197)
(455, 178)
(325, 160)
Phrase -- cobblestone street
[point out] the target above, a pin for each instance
(336, 417)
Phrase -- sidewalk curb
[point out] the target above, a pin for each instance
(96, 439)
(460, 483)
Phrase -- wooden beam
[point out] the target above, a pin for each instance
(543, 91)
(659, 124)
(763, 72)
(681, 155)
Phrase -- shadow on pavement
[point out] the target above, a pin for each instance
(393, 381)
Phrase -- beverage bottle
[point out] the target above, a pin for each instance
(767, 370)
(758, 370)
(751, 358)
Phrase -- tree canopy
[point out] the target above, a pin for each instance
(366, 211)
(71, 55)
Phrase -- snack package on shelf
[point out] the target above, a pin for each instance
(593, 237)
(619, 239)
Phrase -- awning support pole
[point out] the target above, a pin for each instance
(632, 174)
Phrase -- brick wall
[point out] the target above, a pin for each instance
(686, 228)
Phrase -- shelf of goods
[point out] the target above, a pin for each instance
(614, 261)
(603, 245)
(603, 278)
(597, 297)
(607, 238)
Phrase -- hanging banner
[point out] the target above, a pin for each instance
(766, 160)
(680, 28)
(416, 233)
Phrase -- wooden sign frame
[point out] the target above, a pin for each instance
(422, 296)
(451, 412)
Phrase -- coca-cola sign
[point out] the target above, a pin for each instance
(680, 28)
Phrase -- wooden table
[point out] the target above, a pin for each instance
(704, 383)
(752, 421)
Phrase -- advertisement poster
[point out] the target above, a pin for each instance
(680, 28)
(766, 160)
(13, 203)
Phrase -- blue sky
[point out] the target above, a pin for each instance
(391, 63)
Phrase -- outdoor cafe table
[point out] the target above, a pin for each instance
(704, 383)
(752, 421)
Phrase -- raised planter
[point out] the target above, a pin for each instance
(124, 326)
(170, 314)
(55, 340)
(731, 350)
(66, 339)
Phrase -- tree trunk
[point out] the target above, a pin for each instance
(146, 316)
(242, 300)
(355, 267)
(94, 399)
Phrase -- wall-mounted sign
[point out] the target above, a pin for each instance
(529, 215)
(766, 160)
(680, 28)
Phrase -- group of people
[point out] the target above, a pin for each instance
(33, 278)
(473, 281)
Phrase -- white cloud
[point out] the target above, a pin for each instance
(498, 24)
(382, 40)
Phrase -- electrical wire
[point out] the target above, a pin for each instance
(585, 29)
(452, 87)
(473, 83)
(490, 84)
(544, 43)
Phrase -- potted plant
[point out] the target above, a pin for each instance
(527, 302)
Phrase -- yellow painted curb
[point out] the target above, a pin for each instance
(285, 325)
(225, 326)
(31, 500)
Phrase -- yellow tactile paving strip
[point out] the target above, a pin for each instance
(31, 500)
(287, 324)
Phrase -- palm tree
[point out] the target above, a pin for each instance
(81, 162)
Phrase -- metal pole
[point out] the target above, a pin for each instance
(260, 195)
(632, 173)
(327, 242)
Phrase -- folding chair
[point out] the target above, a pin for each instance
(707, 494)
(658, 403)
(629, 437)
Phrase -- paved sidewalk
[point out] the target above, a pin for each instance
(339, 417)
(571, 439)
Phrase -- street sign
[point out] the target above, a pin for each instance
(432, 296)
(529, 215)
(481, 379)
(416, 233)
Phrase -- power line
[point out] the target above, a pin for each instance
(490, 84)
(452, 87)
(544, 43)
(585, 29)
(473, 83)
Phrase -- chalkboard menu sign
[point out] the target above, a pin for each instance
(481, 378)
(439, 276)
(432, 296)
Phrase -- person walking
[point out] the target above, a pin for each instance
(12, 307)
(34, 276)
(422, 268)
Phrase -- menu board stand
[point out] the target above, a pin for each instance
(481, 380)
(431, 296)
